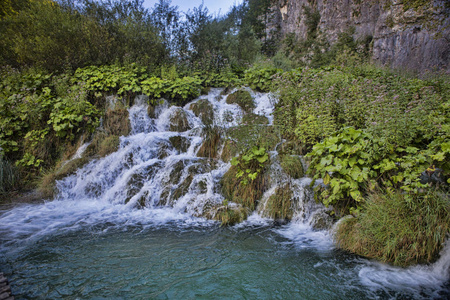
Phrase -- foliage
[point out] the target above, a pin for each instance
(353, 162)
(314, 103)
(260, 79)
(398, 229)
(71, 34)
(112, 79)
(250, 164)
(69, 119)
(184, 89)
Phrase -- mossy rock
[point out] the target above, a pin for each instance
(183, 188)
(292, 148)
(279, 205)
(204, 110)
(47, 188)
(322, 221)
(292, 165)
(177, 172)
(202, 186)
(179, 121)
(151, 111)
(230, 215)
(248, 195)
(164, 149)
(212, 138)
(243, 99)
(229, 150)
(102, 145)
(117, 122)
(264, 136)
(254, 119)
(138, 179)
(180, 143)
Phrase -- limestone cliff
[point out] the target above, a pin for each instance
(406, 34)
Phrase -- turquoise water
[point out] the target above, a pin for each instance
(117, 231)
(194, 259)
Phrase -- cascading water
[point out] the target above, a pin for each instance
(132, 225)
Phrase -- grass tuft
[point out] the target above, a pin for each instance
(398, 229)
(279, 205)
(292, 165)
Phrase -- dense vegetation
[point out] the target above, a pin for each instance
(378, 142)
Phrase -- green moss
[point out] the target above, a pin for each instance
(292, 165)
(179, 121)
(211, 142)
(231, 215)
(246, 135)
(243, 99)
(117, 122)
(398, 230)
(180, 143)
(230, 150)
(279, 205)
(204, 110)
(248, 194)
(254, 119)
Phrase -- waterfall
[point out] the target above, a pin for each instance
(156, 179)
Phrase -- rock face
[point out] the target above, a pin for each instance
(406, 34)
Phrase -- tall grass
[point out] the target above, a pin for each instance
(398, 229)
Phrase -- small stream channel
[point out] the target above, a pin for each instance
(132, 226)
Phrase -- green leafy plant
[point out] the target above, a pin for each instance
(251, 164)
(260, 79)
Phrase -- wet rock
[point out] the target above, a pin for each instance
(230, 214)
(117, 122)
(243, 99)
(230, 150)
(183, 188)
(212, 137)
(202, 186)
(138, 179)
(180, 143)
(204, 110)
(433, 176)
(164, 149)
(321, 221)
(179, 121)
(279, 206)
